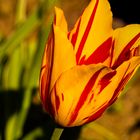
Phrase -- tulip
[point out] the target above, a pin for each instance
(84, 70)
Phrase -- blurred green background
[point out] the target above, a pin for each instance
(24, 28)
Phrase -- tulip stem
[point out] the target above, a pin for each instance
(57, 133)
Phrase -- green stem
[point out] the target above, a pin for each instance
(57, 133)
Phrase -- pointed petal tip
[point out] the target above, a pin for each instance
(59, 19)
(91, 29)
(58, 10)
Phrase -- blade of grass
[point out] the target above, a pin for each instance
(21, 11)
(10, 127)
(15, 44)
(34, 134)
(30, 81)
(20, 34)
(17, 59)
(32, 76)
(14, 70)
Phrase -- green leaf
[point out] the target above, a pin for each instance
(38, 132)
(31, 81)
(9, 131)
(13, 70)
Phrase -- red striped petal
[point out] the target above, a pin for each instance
(99, 55)
(97, 114)
(74, 36)
(45, 73)
(83, 40)
(126, 52)
(84, 95)
(106, 80)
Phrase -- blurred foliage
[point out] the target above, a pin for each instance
(21, 114)
(20, 60)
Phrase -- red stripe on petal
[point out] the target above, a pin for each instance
(125, 54)
(54, 20)
(68, 35)
(84, 95)
(51, 108)
(45, 81)
(121, 85)
(83, 40)
(57, 100)
(112, 101)
(97, 114)
(136, 51)
(112, 52)
(99, 55)
(106, 80)
(92, 95)
(43, 67)
(42, 86)
(74, 36)
(62, 96)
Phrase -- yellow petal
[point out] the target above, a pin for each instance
(82, 93)
(60, 20)
(58, 57)
(126, 39)
(63, 55)
(92, 29)
(74, 91)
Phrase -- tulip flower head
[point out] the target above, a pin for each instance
(84, 70)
